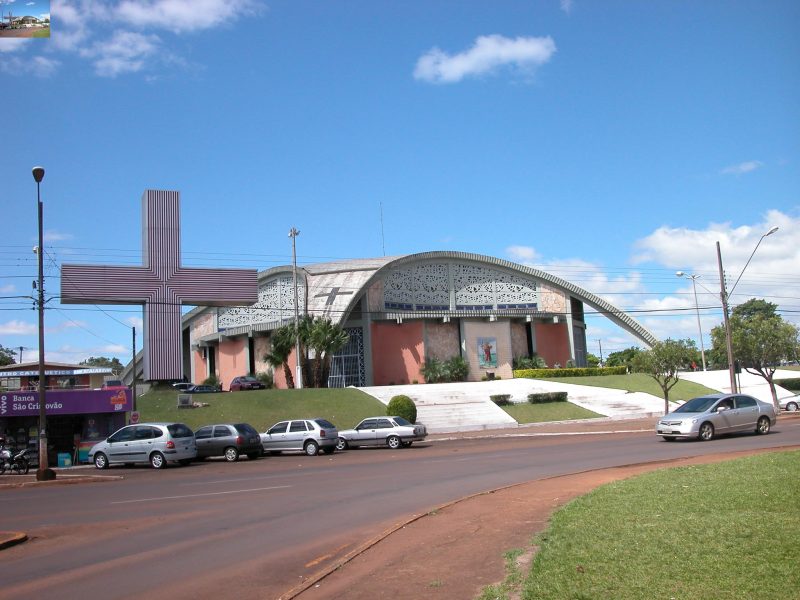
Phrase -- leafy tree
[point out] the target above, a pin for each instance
(530, 362)
(760, 340)
(103, 362)
(622, 358)
(402, 406)
(325, 339)
(592, 360)
(282, 343)
(663, 361)
(6, 356)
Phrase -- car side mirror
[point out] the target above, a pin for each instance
(721, 408)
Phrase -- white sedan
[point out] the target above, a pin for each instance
(790, 403)
(393, 432)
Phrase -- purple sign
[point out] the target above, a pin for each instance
(65, 402)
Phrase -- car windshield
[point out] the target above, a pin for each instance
(401, 421)
(325, 424)
(697, 405)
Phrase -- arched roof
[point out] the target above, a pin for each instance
(349, 279)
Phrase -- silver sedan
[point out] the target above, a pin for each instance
(714, 414)
(393, 432)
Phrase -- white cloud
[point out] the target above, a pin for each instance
(566, 6)
(184, 15)
(13, 44)
(489, 53)
(52, 235)
(17, 328)
(39, 66)
(136, 322)
(522, 253)
(74, 355)
(742, 168)
(7, 289)
(124, 52)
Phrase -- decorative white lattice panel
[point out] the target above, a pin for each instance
(275, 302)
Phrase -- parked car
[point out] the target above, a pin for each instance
(715, 414)
(228, 440)
(182, 386)
(154, 443)
(790, 403)
(393, 432)
(246, 382)
(201, 389)
(306, 435)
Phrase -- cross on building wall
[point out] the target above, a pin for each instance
(161, 284)
(331, 296)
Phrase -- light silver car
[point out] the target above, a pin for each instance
(790, 403)
(708, 416)
(154, 443)
(305, 435)
(393, 432)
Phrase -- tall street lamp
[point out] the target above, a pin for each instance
(697, 310)
(724, 295)
(43, 473)
(298, 384)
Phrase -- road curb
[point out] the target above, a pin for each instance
(11, 538)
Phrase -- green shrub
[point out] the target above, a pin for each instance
(578, 372)
(543, 397)
(402, 406)
(432, 370)
(267, 379)
(792, 384)
(501, 399)
(456, 369)
(529, 362)
(211, 380)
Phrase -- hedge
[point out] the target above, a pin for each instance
(576, 372)
(792, 384)
(543, 397)
(501, 399)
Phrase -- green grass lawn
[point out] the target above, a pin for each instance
(262, 408)
(549, 411)
(723, 531)
(42, 33)
(639, 382)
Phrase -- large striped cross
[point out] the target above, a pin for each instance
(162, 285)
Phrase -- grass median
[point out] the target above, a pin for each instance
(720, 531)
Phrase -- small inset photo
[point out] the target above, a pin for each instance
(24, 18)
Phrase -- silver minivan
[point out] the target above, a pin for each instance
(154, 443)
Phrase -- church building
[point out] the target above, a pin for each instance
(399, 311)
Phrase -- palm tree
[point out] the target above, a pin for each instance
(282, 346)
(325, 339)
(304, 329)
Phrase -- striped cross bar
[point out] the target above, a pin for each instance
(161, 284)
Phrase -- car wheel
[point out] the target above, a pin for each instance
(393, 442)
(341, 444)
(157, 460)
(762, 427)
(100, 461)
(791, 406)
(311, 448)
(706, 432)
(231, 454)
(668, 439)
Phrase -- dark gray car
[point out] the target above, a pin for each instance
(229, 440)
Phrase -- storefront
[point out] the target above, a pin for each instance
(76, 419)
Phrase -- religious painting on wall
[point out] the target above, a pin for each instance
(487, 352)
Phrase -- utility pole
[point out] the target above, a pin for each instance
(298, 384)
(728, 339)
(600, 342)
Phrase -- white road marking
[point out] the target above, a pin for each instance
(275, 487)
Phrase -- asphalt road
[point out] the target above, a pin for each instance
(255, 529)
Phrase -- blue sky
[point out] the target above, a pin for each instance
(22, 8)
(612, 143)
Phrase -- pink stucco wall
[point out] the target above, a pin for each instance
(519, 339)
(397, 352)
(552, 343)
(441, 339)
(200, 366)
(480, 328)
(232, 360)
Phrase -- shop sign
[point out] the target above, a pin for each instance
(65, 402)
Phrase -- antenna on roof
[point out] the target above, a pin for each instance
(383, 240)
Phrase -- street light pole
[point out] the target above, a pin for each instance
(697, 311)
(298, 384)
(43, 473)
(724, 294)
